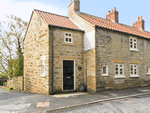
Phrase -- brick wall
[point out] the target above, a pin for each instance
(113, 47)
(17, 83)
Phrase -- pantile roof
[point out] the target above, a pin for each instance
(56, 20)
(105, 23)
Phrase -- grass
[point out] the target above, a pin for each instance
(8, 89)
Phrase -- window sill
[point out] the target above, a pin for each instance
(105, 75)
(134, 76)
(68, 44)
(43, 75)
(134, 50)
(148, 74)
(120, 76)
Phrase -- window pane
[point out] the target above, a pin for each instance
(42, 68)
(121, 72)
(116, 73)
(66, 34)
(116, 66)
(69, 39)
(66, 39)
(135, 71)
(104, 69)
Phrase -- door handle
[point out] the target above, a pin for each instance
(68, 77)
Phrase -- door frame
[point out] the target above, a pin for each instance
(63, 75)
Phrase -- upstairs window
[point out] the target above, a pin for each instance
(68, 38)
(133, 43)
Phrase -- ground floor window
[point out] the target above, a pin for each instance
(133, 69)
(119, 69)
(148, 70)
(105, 70)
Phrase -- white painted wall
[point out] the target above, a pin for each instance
(89, 40)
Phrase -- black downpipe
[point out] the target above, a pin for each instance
(52, 53)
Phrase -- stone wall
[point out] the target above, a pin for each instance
(90, 70)
(113, 47)
(66, 51)
(36, 45)
(17, 83)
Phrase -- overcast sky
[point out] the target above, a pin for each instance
(129, 10)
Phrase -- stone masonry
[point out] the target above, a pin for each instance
(113, 47)
(90, 70)
(36, 45)
(64, 51)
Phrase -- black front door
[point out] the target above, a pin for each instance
(68, 75)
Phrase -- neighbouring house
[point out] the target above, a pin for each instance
(60, 53)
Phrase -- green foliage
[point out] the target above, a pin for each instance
(8, 89)
(3, 75)
(5, 83)
(19, 66)
(11, 46)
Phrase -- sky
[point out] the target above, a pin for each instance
(128, 10)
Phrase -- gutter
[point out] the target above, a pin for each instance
(96, 26)
(52, 27)
(52, 54)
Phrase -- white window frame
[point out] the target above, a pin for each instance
(43, 58)
(106, 70)
(69, 37)
(132, 48)
(119, 68)
(134, 75)
(148, 70)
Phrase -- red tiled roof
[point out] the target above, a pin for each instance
(56, 20)
(105, 23)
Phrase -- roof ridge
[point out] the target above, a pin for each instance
(50, 13)
(95, 16)
(110, 20)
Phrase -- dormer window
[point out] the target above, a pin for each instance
(133, 44)
(68, 38)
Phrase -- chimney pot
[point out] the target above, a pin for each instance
(113, 15)
(140, 23)
(140, 17)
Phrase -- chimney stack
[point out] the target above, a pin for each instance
(73, 6)
(140, 23)
(113, 15)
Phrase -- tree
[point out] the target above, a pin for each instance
(11, 46)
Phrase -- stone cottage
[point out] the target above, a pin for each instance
(60, 53)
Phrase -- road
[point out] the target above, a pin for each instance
(140, 104)
(13, 102)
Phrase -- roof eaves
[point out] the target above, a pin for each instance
(65, 28)
(28, 26)
(51, 13)
(121, 32)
